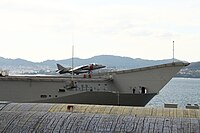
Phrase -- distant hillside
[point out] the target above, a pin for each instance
(194, 66)
(191, 71)
(16, 66)
(111, 62)
(14, 62)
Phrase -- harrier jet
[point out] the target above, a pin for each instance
(79, 69)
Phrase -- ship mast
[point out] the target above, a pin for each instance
(72, 61)
(72, 56)
(173, 51)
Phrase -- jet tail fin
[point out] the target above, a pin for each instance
(60, 67)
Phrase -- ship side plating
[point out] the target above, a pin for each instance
(127, 87)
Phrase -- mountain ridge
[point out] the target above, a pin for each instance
(111, 61)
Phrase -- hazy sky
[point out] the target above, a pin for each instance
(38, 30)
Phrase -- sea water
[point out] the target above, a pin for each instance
(181, 91)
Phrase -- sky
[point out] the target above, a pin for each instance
(38, 30)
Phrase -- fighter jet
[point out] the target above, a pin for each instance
(79, 69)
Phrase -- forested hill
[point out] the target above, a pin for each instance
(111, 62)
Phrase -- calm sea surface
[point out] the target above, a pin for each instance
(179, 90)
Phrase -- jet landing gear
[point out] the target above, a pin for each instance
(89, 76)
(85, 76)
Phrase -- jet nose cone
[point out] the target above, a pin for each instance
(102, 66)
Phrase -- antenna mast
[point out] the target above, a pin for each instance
(72, 56)
(72, 60)
(173, 51)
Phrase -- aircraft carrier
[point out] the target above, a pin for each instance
(133, 87)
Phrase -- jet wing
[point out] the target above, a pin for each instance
(79, 69)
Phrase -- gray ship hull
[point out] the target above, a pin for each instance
(103, 98)
(135, 87)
